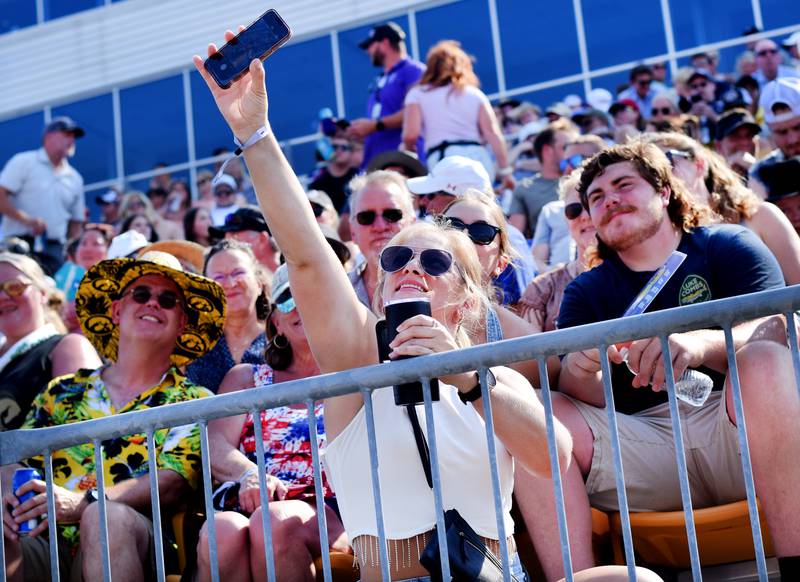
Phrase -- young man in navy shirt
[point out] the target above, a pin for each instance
(642, 214)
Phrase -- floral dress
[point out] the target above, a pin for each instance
(287, 448)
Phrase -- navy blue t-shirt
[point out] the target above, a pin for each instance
(721, 261)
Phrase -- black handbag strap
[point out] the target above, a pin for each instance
(422, 444)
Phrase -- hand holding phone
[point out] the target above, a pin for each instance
(258, 41)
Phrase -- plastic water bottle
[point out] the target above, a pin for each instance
(694, 387)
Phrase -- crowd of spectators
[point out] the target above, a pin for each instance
(511, 219)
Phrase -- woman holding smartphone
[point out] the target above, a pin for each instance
(422, 261)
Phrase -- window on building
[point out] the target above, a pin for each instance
(57, 8)
(210, 130)
(20, 134)
(697, 23)
(538, 44)
(16, 14)
(153, 124)
(467, 22)
(95, 153)
(778, 13)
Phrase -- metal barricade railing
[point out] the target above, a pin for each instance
(21, 444)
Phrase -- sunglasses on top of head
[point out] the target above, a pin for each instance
(573, 210)
(572, 161)
(367, 217)
(435, 262)
(673, 155)
(480, 232)
(166, 299)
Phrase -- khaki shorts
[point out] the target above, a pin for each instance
(648, 457)
(36, 557)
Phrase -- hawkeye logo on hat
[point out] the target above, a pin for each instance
(694, 289)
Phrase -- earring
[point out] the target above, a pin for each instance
(278, 346)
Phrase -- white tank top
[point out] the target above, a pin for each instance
(408, 506)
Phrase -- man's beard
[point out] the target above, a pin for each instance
(624, 241)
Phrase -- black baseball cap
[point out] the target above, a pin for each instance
(390, 30)
(246, 218)
(732, 120)
(66, 124)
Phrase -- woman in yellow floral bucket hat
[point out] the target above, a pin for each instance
(203, 301)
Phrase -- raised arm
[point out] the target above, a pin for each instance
(340, 330)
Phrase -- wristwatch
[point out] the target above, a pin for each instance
(475, 393)
(380, 125)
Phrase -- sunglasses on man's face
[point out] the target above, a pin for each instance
(573, 210)
(367, 217)
(166, 299)
(14, 287)
(572, 161)
(661, 111)
(480, 232)
(435, 262)
(767, 52)
(342, 147)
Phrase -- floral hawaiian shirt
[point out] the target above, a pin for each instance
(83, 396)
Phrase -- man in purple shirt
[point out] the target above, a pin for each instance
(381, 129)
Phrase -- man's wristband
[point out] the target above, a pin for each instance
(507, 171)
(380, 125)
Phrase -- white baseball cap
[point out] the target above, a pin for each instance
(600, 99)
(126, 244)
(792, 40)
(785, 91)
(454, 175)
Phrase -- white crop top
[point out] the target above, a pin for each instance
(407, 500)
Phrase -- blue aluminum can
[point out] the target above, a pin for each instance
(22, 476)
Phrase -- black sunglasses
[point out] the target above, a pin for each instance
(661, 110)
(573, 210)
(166, 299)
(367, 217)
(342, 147)
(318, 209)
(765, 52)
(481, 233)
(435, 262)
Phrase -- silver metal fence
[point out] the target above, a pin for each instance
(22, 444)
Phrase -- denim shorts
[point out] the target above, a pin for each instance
(516, 569)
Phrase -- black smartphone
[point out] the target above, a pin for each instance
(258, 41)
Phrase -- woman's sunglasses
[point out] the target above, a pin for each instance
(14, 287)
(480, 233)
(661, 111)
(573, 210)
(367, 217)
(573, 161)
(435, 262)
(285, 302)
(166, 299)
(672, 155)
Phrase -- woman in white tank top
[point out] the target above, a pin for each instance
(422, 261)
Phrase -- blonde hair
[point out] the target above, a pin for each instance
(465, 263)
(127, 200)
(568, 183)
(447, 64)
(474, 196)
(729, 198)
(381, 178)
(56, 299)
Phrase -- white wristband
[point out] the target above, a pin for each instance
(257, 136)
(505, 171)
(247, 473)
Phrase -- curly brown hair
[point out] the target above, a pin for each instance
(730, 199)
(448, 64)
(654, 167)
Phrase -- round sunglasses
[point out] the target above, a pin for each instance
(573, 161)
(480, 232)
(435, 262)
(573, 210)
(14, 287)
(142, 294)
(367, 217)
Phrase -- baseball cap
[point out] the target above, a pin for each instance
(792, 40)
(126, 244)
(531, 129)
(622, 104)
(109, 197)
(226, 180)
(700, 73)
(732, 120)
(599, 98)
(395, 158)
(559, 108)
(246, 218)
(390, 30)
(321, 198)
(280, 281)
(454, 175)
(785, 91)
(66, 124)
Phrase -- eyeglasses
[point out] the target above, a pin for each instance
(318, 209)
(14, 287)
(166, 299)
(223, 192)
(573, 161)
(673, 154)
(573, 210)
(767, 52)
(481, 233)
(285, 302)
(643, 82)
(435, 262)
(234, 276)
(367, 217)
(342, 147)
(698, 86)
(661, 111)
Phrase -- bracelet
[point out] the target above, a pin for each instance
(257, 136)
(247, 473)
(507, 171)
